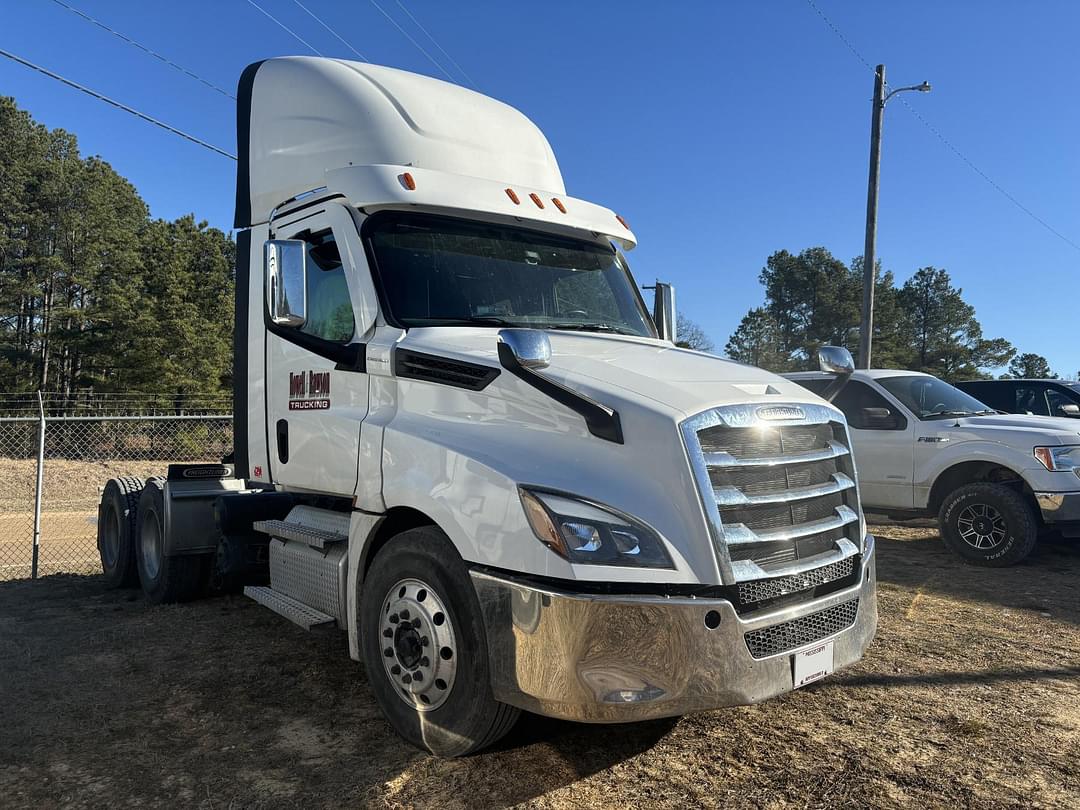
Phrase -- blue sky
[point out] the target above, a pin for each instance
(723, 131)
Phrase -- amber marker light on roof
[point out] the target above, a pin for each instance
(622, 222)
(536, 199)
(408, 182)
(513, 196)
(558, 204)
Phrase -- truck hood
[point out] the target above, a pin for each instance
(1026, 429)
(677, 379)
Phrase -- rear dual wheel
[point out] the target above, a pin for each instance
(424, 648)
(164, 579)
(117, 529)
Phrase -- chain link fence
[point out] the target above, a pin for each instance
(53, 464)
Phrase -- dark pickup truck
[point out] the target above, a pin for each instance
(1038, 397)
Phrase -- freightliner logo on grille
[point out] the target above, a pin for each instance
(777, 412)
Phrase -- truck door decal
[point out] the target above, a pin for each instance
(309, 391)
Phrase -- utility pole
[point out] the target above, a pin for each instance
(866, 326)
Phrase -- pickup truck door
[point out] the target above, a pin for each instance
(316, 382)
(884, 446)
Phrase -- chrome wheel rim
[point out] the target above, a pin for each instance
(981, 526)
(418, 644)
(150, 541)
(110, 538)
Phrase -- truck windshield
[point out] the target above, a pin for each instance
(439, 271)
(931, 398)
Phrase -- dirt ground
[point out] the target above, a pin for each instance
(969, 697)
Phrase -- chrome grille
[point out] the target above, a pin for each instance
(781, 492)
(790, 635)
(760, 590)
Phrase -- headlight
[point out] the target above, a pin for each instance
(585, 532)
(1060, 459)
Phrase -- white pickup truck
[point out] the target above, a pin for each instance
(923, 446)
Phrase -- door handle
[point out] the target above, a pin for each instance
(283, 440)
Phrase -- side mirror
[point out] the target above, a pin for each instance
(1070, 410)
(530, 347)
(285, 267)
(877, 418)
(835, 360)
(664, 311)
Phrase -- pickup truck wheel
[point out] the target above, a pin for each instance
(164, 579)
(988, 524)
(424, 648)
(116, 531)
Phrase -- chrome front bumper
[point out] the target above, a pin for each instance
(1059, 507)
(611, 659)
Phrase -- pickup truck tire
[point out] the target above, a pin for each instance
(116, 529)
(988, 524)
(419, 614)
(164, 580)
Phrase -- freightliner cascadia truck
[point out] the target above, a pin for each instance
(462, 439)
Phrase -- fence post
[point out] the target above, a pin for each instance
(37, 489)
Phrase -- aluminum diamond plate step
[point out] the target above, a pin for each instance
(316, 538)
(296, 612)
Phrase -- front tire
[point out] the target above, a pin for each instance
(424, 648)
(988, 524)
(164, 579)
(117, 528)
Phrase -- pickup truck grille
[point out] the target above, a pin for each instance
(781, 492)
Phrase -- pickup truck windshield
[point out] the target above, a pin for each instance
(439, 271)
(931, 398)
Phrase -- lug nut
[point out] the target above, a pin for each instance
(405, 614)
(388, 633)
(416, 676)
(389, 652)
(416, 622)
(393, 618)
(425, 661)
(395, 670)
(406, 678)
(424, 641)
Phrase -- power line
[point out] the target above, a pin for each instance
(948, 144)
(437, 45)
(413, 41)
(331, 30)
(285, 27)
(840, 35)
(146, 50)
(117, 104)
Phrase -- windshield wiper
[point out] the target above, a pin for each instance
(479, 320)
(588, 327)
(956, 413)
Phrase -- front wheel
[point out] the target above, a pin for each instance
(424, 648)
(988, 524)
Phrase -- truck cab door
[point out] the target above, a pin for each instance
(883, 439)
(316, 382)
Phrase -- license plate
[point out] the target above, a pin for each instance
(813, 664)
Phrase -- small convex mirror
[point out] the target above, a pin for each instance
(530, 347)
(285, 265)
(835, 360)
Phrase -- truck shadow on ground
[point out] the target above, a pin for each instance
(1045, 584)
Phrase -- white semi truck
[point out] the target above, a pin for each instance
(461, 439)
